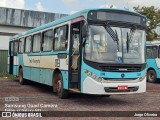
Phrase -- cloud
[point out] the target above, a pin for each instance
(107, 6)
(72, 5)
(39, 7)
(20, 4)
(132, 3)
(70, 2)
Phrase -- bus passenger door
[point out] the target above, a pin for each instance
(11, 57)
(75, 57)
(15, 58)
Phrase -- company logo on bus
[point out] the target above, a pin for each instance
(122, 69)
(122, 75)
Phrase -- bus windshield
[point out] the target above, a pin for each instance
(102, 48)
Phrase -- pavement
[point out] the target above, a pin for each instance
(38, 97)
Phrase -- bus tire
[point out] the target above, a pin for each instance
(151, 76)
(62, 93)
(22, 81)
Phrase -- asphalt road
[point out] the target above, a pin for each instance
(33, 96)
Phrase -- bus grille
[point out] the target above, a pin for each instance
(113, 68)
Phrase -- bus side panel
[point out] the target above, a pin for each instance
(20, 59)
(15, 65)
(26, 68)
(46, 76)
(65, 79)
(26, 72)
(34, 63)
(8, 63)
(47, 66)
(151, 63)
(35, 73)
(46, 69)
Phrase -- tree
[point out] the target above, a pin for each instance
(153, 16)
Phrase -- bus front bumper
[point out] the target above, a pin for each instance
(91, 86)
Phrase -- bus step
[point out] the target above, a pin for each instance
(74, 78)
(74, 90)
(75, 71)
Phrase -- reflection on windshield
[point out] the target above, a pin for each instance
(100, 47)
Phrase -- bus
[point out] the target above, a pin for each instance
(94, 51)
(153, 61)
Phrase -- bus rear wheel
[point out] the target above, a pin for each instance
(62, 93)
(21, 79)
(151, 76)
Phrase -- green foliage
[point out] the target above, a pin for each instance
(153, 16)
(5, 75)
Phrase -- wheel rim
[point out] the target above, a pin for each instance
(20, 75)
(59, 86)
(151, 76)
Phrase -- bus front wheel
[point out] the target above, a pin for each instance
(151, 76)
(62, 93)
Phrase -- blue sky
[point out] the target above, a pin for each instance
(70, 6)
(64, 6)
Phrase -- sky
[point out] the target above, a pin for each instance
(72, 6)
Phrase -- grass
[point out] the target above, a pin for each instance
(9, 76)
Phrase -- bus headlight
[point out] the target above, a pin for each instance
(142, 78)
(93, 76)
(99, 79)
(89, 74)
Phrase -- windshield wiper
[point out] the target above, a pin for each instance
(132, 32)
(130, 37)
(113, 34)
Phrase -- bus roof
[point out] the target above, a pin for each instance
(67, 18)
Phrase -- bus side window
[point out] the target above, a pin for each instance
(28, 44)
(61, 38)
(151, 52)
(15, 50)
(21, 45)
(47, 40)
(36, 42)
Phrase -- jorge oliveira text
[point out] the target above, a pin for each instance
(145, 114)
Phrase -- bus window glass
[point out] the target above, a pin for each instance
(151, 52)
(15, 48)
(36, 42)
(101, 47)
(61, 38)
(21, 44)
(28, 44)
(47, 40)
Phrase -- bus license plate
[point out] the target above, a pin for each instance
(124, 87)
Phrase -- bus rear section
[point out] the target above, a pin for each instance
(153, 61)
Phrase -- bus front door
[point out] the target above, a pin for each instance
(75, 58)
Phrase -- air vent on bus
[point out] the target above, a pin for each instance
(122, 68)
